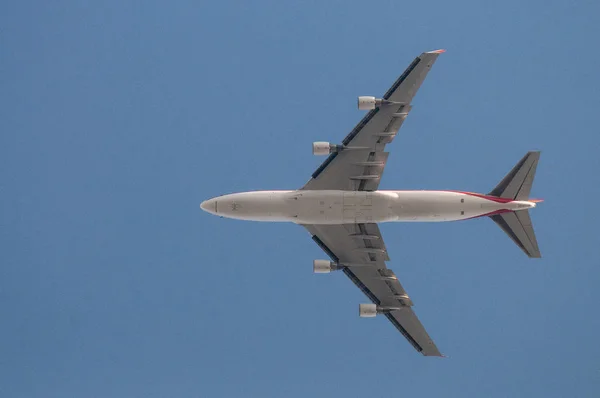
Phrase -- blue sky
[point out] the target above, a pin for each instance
(118, 118)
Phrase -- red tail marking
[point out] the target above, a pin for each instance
(492, 198)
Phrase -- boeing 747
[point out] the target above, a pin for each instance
(341, 205)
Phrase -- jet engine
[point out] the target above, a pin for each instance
(366, 103)
(325, 148)
(321, 148)
(367, 310)
(324, 266)
(371, 310)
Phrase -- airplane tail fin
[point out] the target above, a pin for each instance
(516, 185)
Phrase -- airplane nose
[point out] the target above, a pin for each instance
(209, 206)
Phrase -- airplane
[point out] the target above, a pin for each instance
(341, 205)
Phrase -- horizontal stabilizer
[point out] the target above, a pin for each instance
(517, 183)
(517, 225)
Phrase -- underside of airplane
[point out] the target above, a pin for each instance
(341, 205)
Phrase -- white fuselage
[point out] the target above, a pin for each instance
(345, 207)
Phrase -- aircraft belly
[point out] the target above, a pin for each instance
(439, 206)
(349, 207)
(343, 207)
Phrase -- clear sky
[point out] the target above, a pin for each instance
(117, 118)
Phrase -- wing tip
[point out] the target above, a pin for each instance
(440, 51)
(434, 354)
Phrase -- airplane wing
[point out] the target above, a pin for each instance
(362, 247)
(361, 169)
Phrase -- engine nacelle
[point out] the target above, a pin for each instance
(366, 103)
(367, 310)
(321, 148)
(321, 266)
(324, 266)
